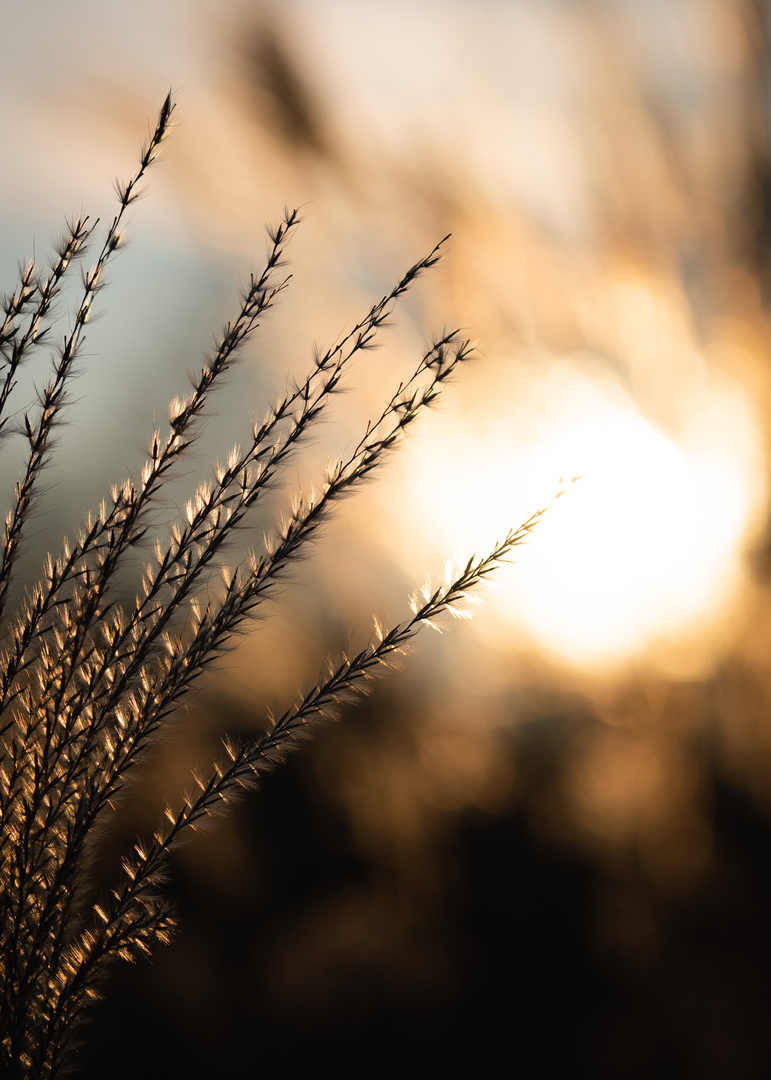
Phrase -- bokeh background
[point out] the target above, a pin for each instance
(542, 848)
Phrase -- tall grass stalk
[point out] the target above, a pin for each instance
(86, 684)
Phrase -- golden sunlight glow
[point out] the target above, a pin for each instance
(642, 555)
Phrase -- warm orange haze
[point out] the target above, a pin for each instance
(572, 788)
(567, 265)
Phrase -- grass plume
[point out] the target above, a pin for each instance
(87, 684)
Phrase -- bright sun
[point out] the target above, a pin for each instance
(643, 555)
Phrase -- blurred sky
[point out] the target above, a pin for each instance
(591, 160)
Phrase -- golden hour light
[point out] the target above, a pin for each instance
(430, 308)
(643, 556)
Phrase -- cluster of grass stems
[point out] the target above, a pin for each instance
(86, 684)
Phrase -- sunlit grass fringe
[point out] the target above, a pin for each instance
(85, 684)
